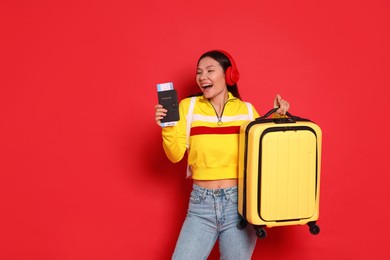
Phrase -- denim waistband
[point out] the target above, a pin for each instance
(215, 192)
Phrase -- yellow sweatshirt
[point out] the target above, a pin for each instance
(213, 142)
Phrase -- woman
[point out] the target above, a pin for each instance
(213, 159)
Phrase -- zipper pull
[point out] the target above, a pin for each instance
(219, 121)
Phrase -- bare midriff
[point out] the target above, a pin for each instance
(216, 184)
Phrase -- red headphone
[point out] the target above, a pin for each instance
(231, 73)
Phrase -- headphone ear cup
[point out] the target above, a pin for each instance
(231, 76)
(228, 71)
(235, 75)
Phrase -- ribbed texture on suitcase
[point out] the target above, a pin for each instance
(288, 172)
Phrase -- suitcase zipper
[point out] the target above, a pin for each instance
(283, 129)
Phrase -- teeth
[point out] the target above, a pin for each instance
(207, 86)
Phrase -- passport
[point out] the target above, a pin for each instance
(167, 97)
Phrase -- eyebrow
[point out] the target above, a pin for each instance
(207, 67)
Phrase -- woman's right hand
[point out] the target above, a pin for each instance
(161, 112)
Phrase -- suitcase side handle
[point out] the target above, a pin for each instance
(273, 111)
(288, 118)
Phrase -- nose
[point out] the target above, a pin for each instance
(202, 76)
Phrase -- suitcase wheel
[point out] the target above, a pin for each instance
(242, 223)
(313, 228)
(260, 232)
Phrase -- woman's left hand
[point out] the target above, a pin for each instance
(282, 104)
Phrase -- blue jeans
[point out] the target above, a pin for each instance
(212, 215)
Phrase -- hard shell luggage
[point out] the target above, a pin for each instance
(279, 173)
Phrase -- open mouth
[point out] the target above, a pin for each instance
(206, 86)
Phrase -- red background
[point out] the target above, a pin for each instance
(83, 173)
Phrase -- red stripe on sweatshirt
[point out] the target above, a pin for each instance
(204, 130)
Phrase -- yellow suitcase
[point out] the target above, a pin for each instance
(279, 173)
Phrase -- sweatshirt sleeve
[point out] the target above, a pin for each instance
(174, 137)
